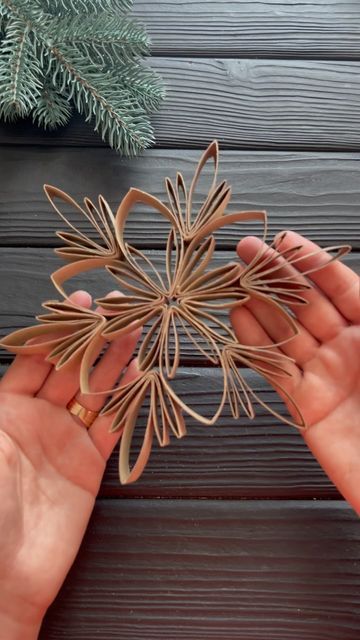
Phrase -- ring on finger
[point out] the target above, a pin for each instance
(86, 416)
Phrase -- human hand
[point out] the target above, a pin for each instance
(325, 380)
(51, 468)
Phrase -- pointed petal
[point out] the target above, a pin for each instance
(80, 245)
(213, 207)
(119, 325)
(68, 271)
(230, 218)
(211, 153)
(135, 196)
(193, 265)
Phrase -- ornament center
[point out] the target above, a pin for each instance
(172, 301)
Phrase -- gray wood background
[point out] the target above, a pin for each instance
(234, 532)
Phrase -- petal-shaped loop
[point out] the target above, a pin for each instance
(213, 208)
(149, 351)
(120, 324)
(174, 261)
(274, 274)
(217, 223)
(193, 265)
(74, 333)
(68, 271)
(164, 416)
(211, 153)
(80, 246)
(268, 363)
(175, 201)
(154, 280)
(135, 196)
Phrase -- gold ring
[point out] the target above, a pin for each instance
(86, 416)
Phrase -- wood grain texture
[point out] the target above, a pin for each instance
(245, 103)
(266, 28)
(221, 570)
(29, 269)
(316, 194)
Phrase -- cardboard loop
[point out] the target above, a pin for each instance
(80, 246)
(181, 201)
(275, 272)
(177, 197)
(211, 153)
(230, 218)
(269, 363)
(74, 334)
(164, 418)
(65, 273)
(136, 196)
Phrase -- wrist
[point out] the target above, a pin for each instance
(18, 628)
(19, 619)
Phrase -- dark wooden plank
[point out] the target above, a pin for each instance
(222, 570)
(265, 28)
(316, 194)
(28, 270)
(260, 103)
(246, 104)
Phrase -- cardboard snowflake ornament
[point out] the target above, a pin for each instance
(176, 305)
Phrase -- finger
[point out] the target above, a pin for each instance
(106, 373)
(99, 431)
(27, 373)
(319, 317)
(301, 347)
(250, 331)
(62, 385)
(337, 281)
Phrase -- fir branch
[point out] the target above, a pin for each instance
(52, 109)
(20, 72)
(29, 11)
(120, 121)
(81, 7)
(143, 84)
(91, 59)
(103, 40)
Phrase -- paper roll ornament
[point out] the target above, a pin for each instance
(176, 305)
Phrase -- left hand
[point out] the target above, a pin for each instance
(325, 381)
(51, 468)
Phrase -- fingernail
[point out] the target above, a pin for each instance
(280, 237)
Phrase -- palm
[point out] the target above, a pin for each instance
(325, 382)
(60, 473)
(331, 380)
(51, 470)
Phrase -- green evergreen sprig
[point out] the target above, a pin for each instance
(86, 54)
